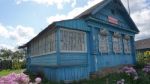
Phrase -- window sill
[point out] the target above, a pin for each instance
(73, 51)
(44, 54)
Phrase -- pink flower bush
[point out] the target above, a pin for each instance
(17, 79)
(38, 80)
(120, 81)
(130, 71)
(147, 68)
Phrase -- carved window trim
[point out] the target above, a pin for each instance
(117, 47)
(103, 41)
(127, 45)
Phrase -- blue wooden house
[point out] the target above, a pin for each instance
(100, 37)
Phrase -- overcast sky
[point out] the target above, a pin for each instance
(21, 20)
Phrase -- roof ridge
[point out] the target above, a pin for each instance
(87, 11)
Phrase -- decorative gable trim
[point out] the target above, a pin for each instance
(93, 10)
(103, 32)
(117, 34)
(127, 37)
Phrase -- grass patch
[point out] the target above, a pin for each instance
(8, 71)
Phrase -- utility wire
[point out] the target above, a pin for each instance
(128, 6)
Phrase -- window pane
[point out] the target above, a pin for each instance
(126, 45)
(103, 43)
(72, 40)
(117, 44)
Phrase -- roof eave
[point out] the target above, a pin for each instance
(25, 45)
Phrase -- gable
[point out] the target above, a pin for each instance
(104, 9)
(78, 24)
(110, 13)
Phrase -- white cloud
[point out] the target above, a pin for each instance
(3, 31)
(74, 3)
(19, 34)
(76, 11)
(142, 19)
(22, 34)
(6, 46)
(58, 3)
(135, 5)
(140, 11)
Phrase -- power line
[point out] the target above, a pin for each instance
(128, 3)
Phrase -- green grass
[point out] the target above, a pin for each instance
(8, 71)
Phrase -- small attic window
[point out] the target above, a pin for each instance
(113, 11)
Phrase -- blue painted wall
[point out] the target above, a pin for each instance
(75, 66)
(45, 60)
(73, 58)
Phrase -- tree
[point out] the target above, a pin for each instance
(18, 55)
(6, 53)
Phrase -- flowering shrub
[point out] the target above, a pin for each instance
(38, 80)
(130, 71)
(18, 79)
(147, 68)
(120, 81)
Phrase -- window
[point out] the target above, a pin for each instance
(72, 40)
(52, 42)
(36, 47)
(43, 45)
(126, 42)
(103, 41)
(47, 43)
(31, 48)
(40, 46)
(117, 43)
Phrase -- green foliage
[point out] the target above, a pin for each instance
(18, 65)
(143, 58)
(6, 53)
(8, 71)
(113, 78)
(139, 65)
(6, 64)
(109, 79)
(16, 59)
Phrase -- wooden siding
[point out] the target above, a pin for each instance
(45, 60)
(73, 58)
(107, 11)
(73, 73)
(102, 60)
(63, 73)
(50, 73)
(113, 60)
(76, 24)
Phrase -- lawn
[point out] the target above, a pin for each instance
(8, 71)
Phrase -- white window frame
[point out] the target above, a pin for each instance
(69, 48)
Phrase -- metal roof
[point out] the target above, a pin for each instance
(143, 44)
(89, 11)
